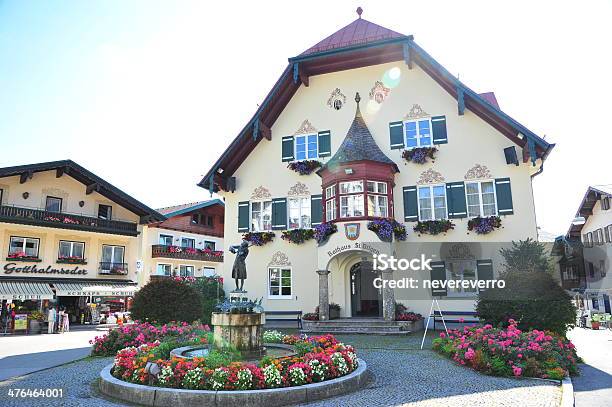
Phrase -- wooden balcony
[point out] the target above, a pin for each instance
(38, 217)
(185, 253)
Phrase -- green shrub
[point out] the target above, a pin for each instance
(212, 293)
(302, 348)
(217, 358)
(166, 300)
(534, 300)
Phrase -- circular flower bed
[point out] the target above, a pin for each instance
(322, 358)
(510, 352)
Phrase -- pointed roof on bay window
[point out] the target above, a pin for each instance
(359, 32)
(359, 145)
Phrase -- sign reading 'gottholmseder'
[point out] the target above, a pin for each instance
(11, 268)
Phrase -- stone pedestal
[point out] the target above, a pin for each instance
(323, 294)
(238, 296)
(388, 297)
(243, 331)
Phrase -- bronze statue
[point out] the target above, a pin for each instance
(239, 273)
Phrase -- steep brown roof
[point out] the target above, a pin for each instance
(358, 32)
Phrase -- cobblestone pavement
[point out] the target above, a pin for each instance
(403, 375)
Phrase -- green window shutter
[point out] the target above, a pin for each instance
(324, 143)
(484, 269)
(287, 153)
(504, 196)
(243, 216)
(438, 273)
(411, 210)
(396, 135)
(455, 200)
(438, 127)
(316, 209)
(279, 213)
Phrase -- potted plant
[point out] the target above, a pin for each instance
(334, 311)
(595, 322)
(35, 322)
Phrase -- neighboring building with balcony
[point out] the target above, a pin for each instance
(586, 251)
(367, 108)
(68, 236)
(189, 243)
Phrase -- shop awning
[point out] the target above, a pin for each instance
(25, 290)
(95, 289)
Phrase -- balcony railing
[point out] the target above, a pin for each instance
(186, 253)
(38, 217)
(111, 268)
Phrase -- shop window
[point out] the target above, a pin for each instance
(186, 271)
(24, 246)
(209, 245)
(188, 242)
(105, 212)
(279, 282)
(480, 198)
(299, 213)
(166, 240)
(432, 202)
(164, 270)
(71, 250)
(53, 204)
(461, 270)
(261, 216)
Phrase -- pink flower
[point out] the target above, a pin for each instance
(517, 371)
(442, 335)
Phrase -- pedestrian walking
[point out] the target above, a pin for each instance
(66, 324)
(51, 316)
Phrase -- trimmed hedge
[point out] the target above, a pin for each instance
(166, 300)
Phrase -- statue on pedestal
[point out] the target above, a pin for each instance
(239, 272)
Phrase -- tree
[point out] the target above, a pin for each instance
(166, 300)
(528, 256)
(212, 292)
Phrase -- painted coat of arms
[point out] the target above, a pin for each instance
(351, 230)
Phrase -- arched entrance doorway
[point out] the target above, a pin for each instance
(366, 300)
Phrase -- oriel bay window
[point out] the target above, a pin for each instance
(330, 203)
(357, 199)
(378, 202)
(279, 282)
(351, 199)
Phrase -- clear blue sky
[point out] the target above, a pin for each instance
(147, 94)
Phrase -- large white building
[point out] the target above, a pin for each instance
(484, 166)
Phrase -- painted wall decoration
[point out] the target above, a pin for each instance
(279, 259)
(261, 193)
(337, 99)
(379, 92)
(305, 128)
(430, 176)
(416, 112)
(478, 171)
(299, 189)
(59, 193)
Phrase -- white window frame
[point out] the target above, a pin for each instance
(23, 246)
(188, 238)
(480, 200)
(209, 268)
(462, 293)
(330, 191)
(280, 296)
(333, 212)
(351, 183)
(159, 236)
(418, 138)
(186, 265)
(163, 264)
(432, 202)
(307, 157)
(72, 243)
(261, 211)
(351, 205)
(301, 209)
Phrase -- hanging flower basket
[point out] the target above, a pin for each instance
(420, 155)
(386, 229)
(323, 231)
(482, 226)
(298, 236)
(258, 238)
(433, 227)
(304, 167)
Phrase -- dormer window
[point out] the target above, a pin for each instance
(306, 147)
